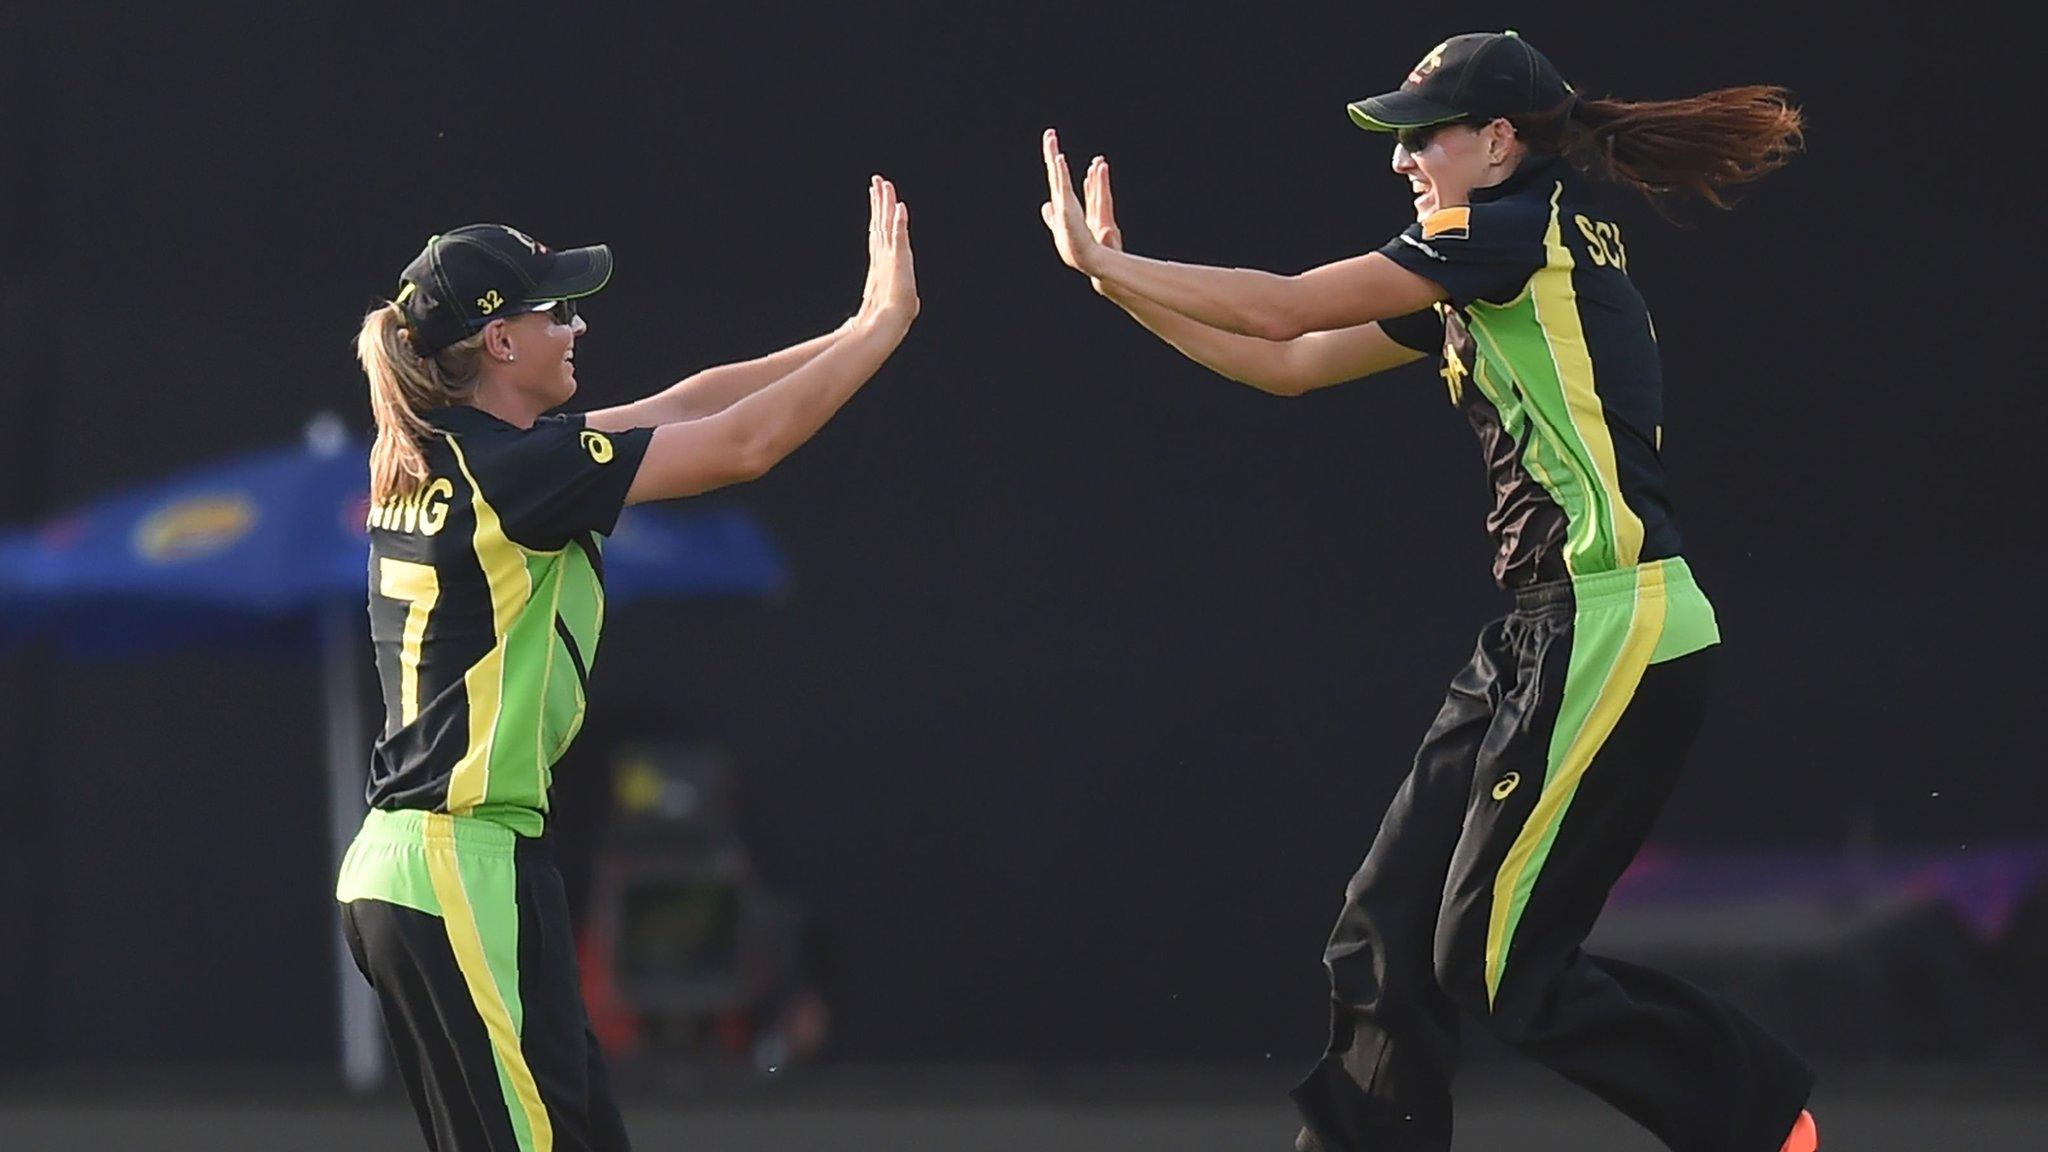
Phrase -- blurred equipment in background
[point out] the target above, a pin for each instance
(687, 952)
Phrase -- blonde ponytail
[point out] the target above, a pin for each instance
(403, 385)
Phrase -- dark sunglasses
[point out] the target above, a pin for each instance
(562, 311)
(1416, 139)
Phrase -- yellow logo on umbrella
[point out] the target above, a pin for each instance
(193, 528)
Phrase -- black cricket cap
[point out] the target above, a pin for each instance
(464, 279)
(1479, 74)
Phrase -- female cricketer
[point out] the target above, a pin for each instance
(1559, 742)
(486, 603)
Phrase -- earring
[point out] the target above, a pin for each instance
(509, 357)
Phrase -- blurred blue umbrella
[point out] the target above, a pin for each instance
(269, 547)
(252, 549)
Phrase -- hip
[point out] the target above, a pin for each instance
(429, 861)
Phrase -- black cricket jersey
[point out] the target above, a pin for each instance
(1549, 350)
(486, 604)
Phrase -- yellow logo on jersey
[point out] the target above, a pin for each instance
(193, 528)
(1449, 223)
(1506, 787)
(424, 511)
(1453, 373)
(598, 445)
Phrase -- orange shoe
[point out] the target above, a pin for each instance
(1805, 1135)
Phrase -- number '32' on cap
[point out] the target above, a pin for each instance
(465, 278)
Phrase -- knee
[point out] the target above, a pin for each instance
(1461, 973)
(1514, 1020)
(1507, 1004)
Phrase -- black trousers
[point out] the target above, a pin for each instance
(482, 1000)
(1554, 751)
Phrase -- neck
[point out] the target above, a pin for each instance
(505, 403)
(1498, 174)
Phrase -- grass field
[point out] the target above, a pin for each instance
(909, 1110)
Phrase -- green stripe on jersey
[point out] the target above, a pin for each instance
(469, 786)
(1538, 341)
(527, 698)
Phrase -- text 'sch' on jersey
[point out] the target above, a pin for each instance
(1549, 350)
(486, 604)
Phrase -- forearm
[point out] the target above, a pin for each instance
(718, 388)
(788, 410)
(1239, 301)
(756, 432)
(1249, 360)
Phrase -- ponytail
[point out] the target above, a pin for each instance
(403, 385)
(1700, 144)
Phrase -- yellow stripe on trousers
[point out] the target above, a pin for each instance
(1524, 863)
(471, 957)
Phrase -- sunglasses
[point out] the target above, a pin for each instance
(1416, 139)
(561, 311)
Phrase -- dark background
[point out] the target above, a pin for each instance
(1098, 670)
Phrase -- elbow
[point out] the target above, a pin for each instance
(1272, 384)
(746, 452)
(1277, 325)
(753, 456)
(1279, 320)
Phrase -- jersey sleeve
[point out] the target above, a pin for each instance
(559, 479)
(1418, 331)
(1474, 251)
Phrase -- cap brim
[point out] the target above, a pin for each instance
(574, 272)
(1397, 110)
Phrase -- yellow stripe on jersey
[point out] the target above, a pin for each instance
(1557, 314)
(504, 570)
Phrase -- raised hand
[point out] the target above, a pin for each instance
(1062, 211)
(878, 211)
(891, 285)
(1101, 205)
(1101, 210)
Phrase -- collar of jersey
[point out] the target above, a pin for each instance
(466, 418)
(1532, 170)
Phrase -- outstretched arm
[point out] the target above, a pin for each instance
(714, 389)
(1280, 367)
(1244, 301)
(754, 433)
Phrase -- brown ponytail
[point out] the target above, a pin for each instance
(1701, 144)
(402, 386)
